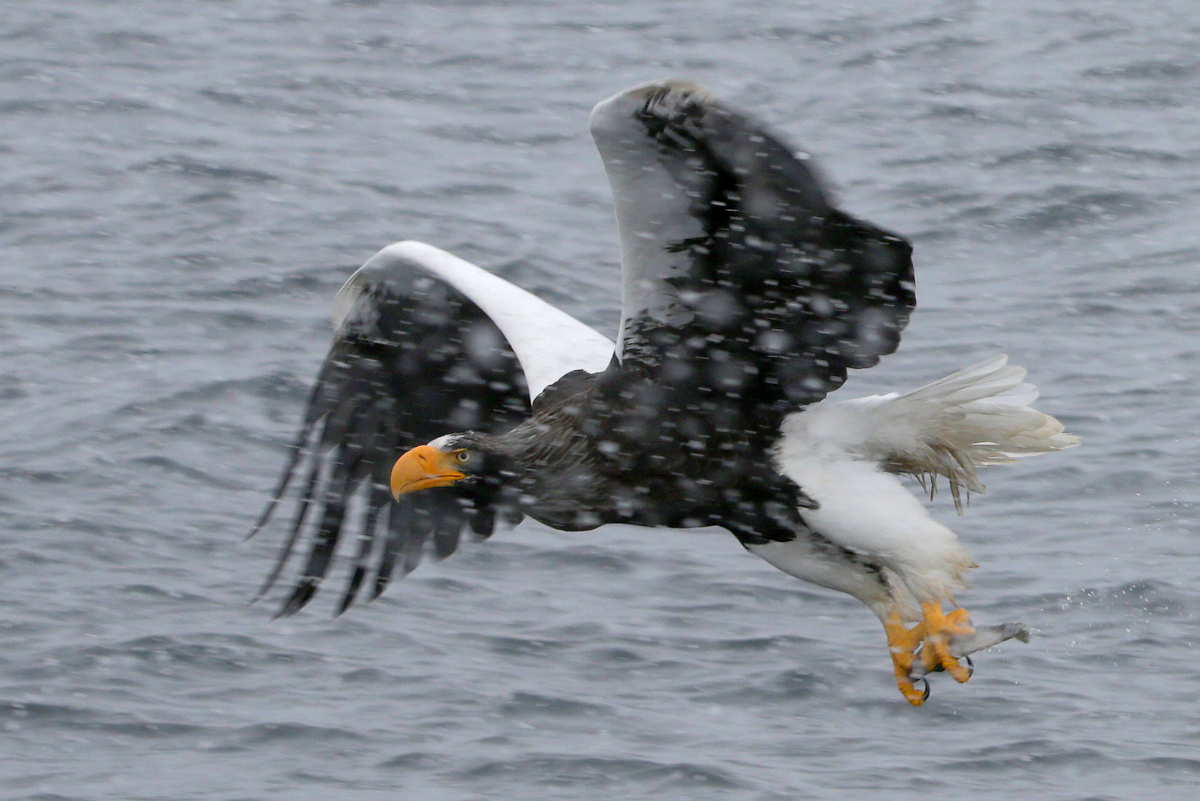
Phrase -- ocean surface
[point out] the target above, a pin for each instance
(184, 186)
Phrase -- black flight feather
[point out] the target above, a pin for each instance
(403, 369)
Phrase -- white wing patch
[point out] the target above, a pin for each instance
(548, 342)
(652, 208)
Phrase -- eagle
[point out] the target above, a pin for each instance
(452, 401)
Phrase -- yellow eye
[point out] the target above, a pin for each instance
(462, 457)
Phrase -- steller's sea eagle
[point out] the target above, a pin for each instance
(747, 296)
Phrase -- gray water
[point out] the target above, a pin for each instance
(183, 188)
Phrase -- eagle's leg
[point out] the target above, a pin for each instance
(937, 629)
(902, 643)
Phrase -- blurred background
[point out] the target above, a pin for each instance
(183, 188)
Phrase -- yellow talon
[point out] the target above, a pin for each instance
(938, 629)
(933, 635)
(902, 643)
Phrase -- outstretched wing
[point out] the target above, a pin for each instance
(426, 344)
(739, 274)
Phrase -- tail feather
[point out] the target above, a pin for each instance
(950, 428)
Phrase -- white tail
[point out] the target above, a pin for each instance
(978, 416)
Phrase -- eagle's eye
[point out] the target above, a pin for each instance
(462, 457)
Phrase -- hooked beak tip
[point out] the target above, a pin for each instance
(422, 467)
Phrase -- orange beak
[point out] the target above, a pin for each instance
(423, 467)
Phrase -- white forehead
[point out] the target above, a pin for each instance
(442, 442)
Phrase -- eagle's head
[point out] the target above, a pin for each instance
(465, 457)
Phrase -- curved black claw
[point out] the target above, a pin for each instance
(924, 695)
(970, 666)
